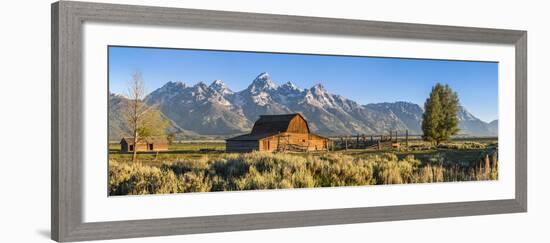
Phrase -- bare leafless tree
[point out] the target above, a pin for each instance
(136, 109)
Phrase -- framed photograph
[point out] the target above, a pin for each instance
(173, 121)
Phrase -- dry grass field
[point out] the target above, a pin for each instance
(204, 166)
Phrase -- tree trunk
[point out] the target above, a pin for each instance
(134, 156)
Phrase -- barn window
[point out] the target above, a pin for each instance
(150, 146)
(303, 140)
(131, 147)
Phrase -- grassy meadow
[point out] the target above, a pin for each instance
(204, 167)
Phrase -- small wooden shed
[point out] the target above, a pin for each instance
(151, 144)
(288, 132)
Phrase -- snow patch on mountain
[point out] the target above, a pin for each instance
(261, 83)
(261, 99)
(216, 109)
(220, 87)
(289, 87)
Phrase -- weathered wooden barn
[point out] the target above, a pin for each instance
(152, 144)
(289, 132)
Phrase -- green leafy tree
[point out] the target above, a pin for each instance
(450, 104)
(431, 118)
(440, 119)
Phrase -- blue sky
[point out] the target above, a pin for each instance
(363, 79)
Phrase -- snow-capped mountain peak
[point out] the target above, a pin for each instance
(319, 90)
(289, 87)
(201, 87)
(318, 96)
(170, 89)
(263, 76)
(261, 83)
(220, 87)
(171, 85)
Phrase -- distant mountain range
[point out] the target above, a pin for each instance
(205, 110)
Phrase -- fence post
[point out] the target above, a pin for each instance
(346, 141)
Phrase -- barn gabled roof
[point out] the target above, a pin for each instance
(269, 124)
(256, 137)
(251, 137)
(158, 140)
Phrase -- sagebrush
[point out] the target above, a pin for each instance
(258, 170)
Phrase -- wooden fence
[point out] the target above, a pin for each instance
(392, 139)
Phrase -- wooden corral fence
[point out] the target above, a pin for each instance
(390, 140)
(284, 144)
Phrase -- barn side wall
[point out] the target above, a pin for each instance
(141, 147)
(124, 147)
(293, 141)
(160, 147)
(233, 146)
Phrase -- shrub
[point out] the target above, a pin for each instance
(137, 179)
(260, 170)
(465, 145)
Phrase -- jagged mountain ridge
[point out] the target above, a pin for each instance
(215, 109)
(118, 127)
(469, 124)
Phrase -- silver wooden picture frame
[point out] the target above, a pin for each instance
(67, 119)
